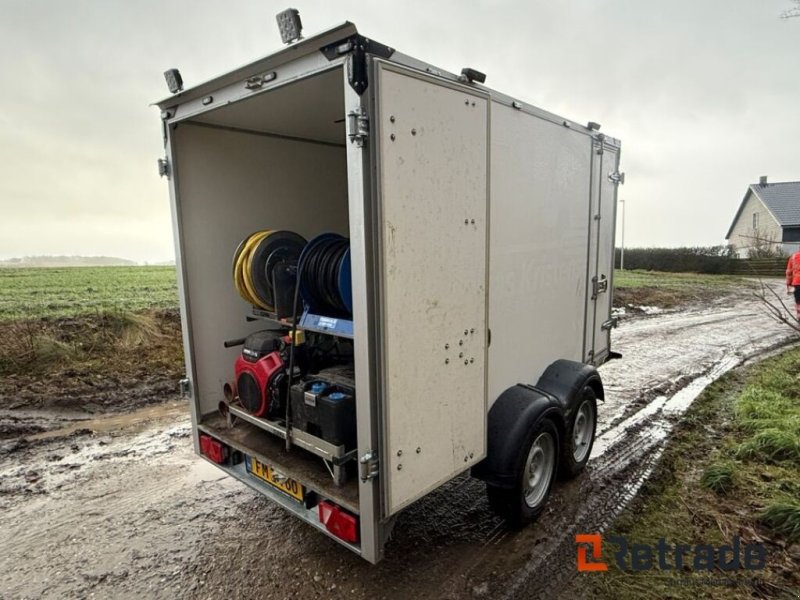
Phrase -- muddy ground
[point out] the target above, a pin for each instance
(54, 371)
(119, 507)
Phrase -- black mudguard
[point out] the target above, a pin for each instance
(510, 419)
(515, 412)
(564, 379)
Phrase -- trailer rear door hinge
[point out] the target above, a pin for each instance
(357, 127)
(368, 466)
(611, 323)
(617, 178)
(185, 388)
(163, 167)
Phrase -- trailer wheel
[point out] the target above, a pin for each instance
(576, 447)
(537, 463)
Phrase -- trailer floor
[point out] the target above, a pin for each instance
(271, 449)
(121, 508)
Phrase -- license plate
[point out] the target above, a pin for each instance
(268, 474)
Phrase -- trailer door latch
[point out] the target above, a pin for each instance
(358, 127)
(617, 178)
(610, 324)
(599, 285)
(368, 466)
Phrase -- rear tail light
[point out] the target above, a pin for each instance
(338, 521)
(214, 450)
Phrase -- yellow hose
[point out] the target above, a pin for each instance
(238, 279)
(242, 273)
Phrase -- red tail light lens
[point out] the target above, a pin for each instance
(213, 449)
(338, 521)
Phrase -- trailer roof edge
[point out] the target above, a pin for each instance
(305, 46)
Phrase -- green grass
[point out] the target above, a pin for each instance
(58, 292)
(768, 411)
(638, 279)
(732, 467)
(719, 478)
(668, 290)
(772, 445)
(784, 519)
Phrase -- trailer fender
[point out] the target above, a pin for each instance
(577, 387)
(564, 379)
(511, 417)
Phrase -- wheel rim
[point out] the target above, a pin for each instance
(539, 469)
(582, 431)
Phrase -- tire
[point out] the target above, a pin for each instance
(576, 447)
(523, 503)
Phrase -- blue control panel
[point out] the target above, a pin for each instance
(323, 324)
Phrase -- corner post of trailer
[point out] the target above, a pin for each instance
(362, 240)
(180, 268)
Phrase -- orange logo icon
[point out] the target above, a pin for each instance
(595, 540)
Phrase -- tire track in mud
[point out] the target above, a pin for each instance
(625, 454)
(449, 544)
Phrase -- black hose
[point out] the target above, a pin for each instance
(320, 276)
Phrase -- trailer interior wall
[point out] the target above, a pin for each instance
(539, 237)
(273, 161)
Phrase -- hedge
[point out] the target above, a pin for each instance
(700, 259)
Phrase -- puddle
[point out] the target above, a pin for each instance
(133, 420)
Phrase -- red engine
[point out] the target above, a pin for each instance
(260, 375)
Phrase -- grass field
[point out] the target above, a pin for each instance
(632, 279)
(667, 290)
(69, 332)
(56, 292)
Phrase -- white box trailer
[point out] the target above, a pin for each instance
(481, 237)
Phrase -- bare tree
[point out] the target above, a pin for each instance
(776, 307)
(792, 12)
(762, 245)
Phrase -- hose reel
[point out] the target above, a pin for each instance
(259, 261)
(325, 276)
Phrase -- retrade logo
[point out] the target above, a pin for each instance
(666, 557)
(595, 542)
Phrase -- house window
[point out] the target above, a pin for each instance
(755, 220)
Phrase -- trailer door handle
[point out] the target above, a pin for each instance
(599, 285)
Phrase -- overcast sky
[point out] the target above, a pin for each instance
(704, 95)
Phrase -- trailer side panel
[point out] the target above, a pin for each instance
(540, 180)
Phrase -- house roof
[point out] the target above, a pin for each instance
(781, 199)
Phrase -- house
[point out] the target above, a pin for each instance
(768, 220)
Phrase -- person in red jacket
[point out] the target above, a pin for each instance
(793, 280)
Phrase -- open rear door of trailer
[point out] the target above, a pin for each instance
(431, 144)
